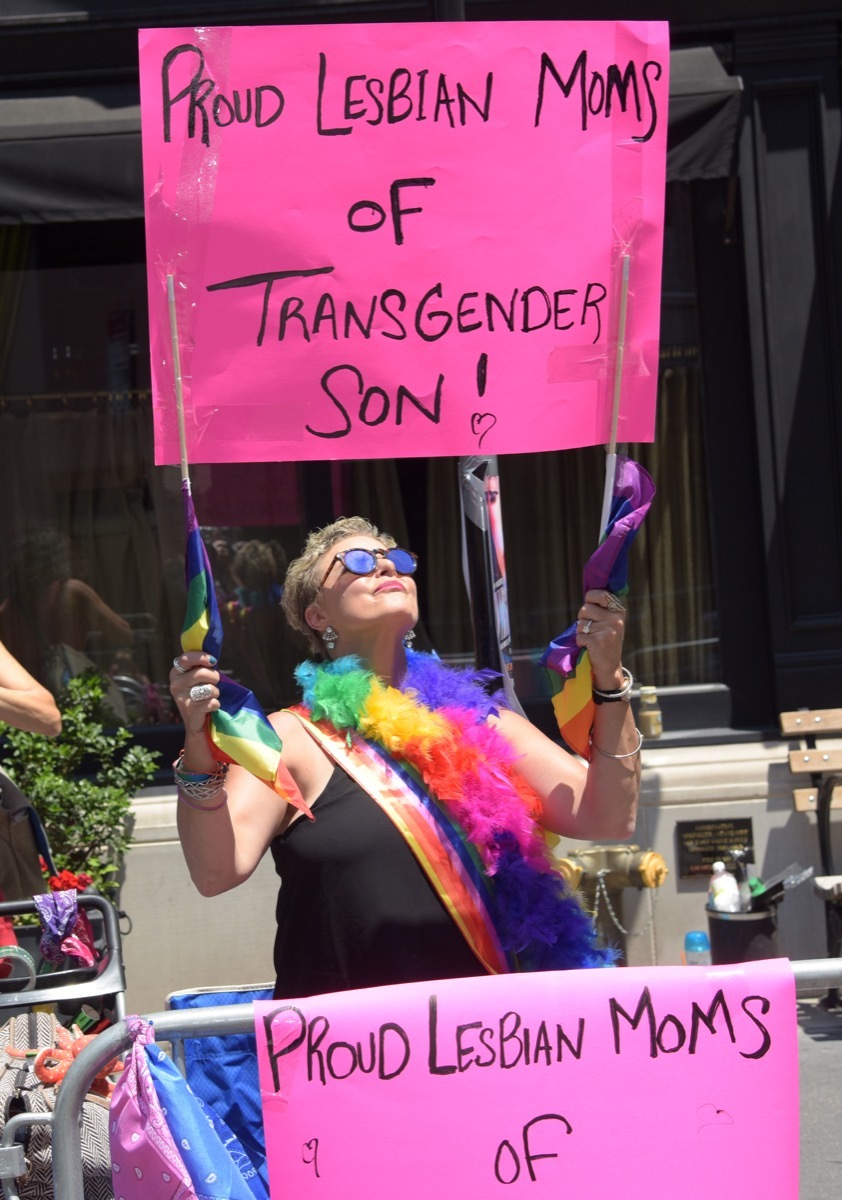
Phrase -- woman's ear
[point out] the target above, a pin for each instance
(315, 618)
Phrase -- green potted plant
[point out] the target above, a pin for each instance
(81, 784)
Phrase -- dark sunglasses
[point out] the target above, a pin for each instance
(364, 562)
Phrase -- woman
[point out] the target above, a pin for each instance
(382, 729)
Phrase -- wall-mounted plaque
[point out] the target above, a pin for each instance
(702, 843)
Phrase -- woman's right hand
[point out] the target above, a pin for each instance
(194, 669)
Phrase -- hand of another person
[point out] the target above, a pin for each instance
(600, 630)
(193, 686)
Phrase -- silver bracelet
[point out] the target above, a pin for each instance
(199, 785)
(622, 693)
(630, 754)
(204, 807)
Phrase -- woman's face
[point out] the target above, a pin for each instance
(354, 603)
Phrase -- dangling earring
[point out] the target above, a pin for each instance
(329, 636)
(409, 638)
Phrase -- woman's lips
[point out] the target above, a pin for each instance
(393, 585)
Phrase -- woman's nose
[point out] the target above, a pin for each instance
(385, 566)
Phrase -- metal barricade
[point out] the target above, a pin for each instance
(811, 975)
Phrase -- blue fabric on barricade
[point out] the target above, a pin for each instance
(222, 1071)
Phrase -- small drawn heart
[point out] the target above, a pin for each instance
(166, 1178)
(138, 1172)
(481, 424)
(135, 1137)
(211, 1178)
(115, 1167)
(709, 1114)
(185, 1144)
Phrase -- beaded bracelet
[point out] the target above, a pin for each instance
(623, 693)
(629, 754)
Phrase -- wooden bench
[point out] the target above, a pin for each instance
(823, 764)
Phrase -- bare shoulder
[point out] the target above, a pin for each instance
(304, 759)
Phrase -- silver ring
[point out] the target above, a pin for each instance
(586, 628)
(181, 670)
(613, 604)
(202, 691)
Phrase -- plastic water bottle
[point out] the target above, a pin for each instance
(696, 949)
(724, 891)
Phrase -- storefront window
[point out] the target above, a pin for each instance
(91, 557)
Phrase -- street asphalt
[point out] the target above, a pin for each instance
(820, 1063)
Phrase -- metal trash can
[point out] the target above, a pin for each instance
(737, 937)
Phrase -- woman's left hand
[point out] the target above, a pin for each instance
(600, 630)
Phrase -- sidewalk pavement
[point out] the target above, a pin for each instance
(820, 1063)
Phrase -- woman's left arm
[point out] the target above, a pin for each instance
(598, 800)
(24, 703)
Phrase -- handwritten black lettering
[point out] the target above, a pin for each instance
(433, 1064)
(399, 213)
(765, 1005)
(392, 1072)
(669, 1035)
(311, 1148)
(601, 91)
(264, 106)
(563, 1040)
(373, 224)
(370, 100)
(288, 1044)
(655, 68)
(266, 279)
(671, 1023)
(510, 1024)
(432, 317)
(375, 405)
(317, 1029)
(341, 1060)
(528, 1153)
(699, 1018)
(507, 1155)
(644, 1009)
(508, 1149)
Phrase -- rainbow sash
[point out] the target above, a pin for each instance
(447, 859)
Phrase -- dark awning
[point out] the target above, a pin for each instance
(703, 114)
(71, 157)
(77, 157)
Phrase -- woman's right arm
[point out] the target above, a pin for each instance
(224, 840)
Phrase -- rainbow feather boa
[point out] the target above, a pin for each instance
(436, 724)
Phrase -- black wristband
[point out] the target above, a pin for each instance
(623, 693)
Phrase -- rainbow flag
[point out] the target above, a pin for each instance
(239, 731)
(568, 667)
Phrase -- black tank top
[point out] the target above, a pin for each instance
(355, 909)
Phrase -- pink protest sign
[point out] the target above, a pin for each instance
(631, 1082)
(403, 240)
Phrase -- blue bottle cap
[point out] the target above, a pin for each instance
(697, 940)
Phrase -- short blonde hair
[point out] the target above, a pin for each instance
(301, 585)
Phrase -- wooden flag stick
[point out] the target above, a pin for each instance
(179, 393)
(611, 451)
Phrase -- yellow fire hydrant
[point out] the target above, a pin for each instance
(602, 873)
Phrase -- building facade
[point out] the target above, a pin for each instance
(736, 610)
